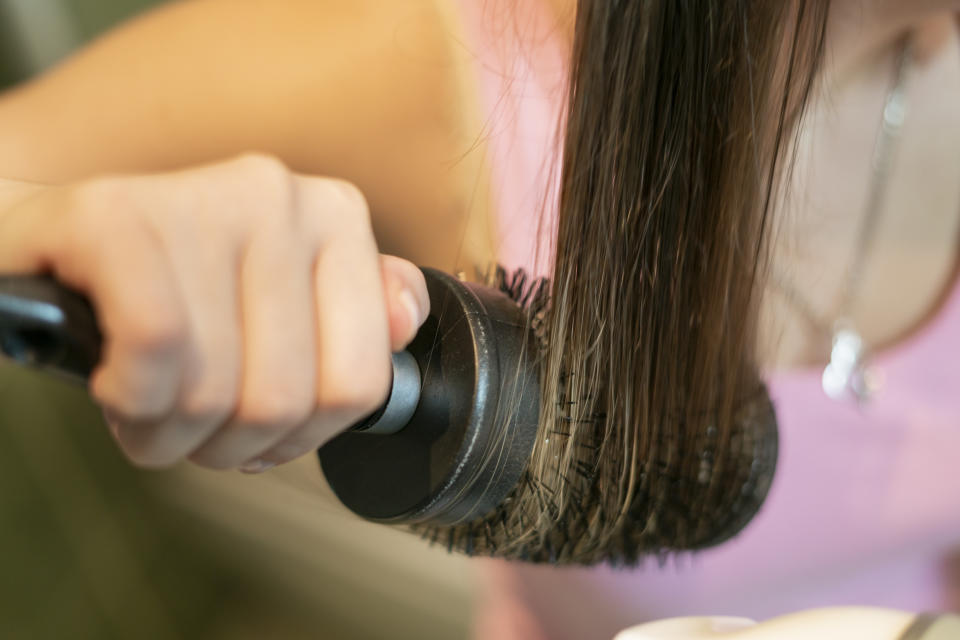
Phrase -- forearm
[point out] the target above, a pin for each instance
(363, 90)
(333, 87)
(189, 83)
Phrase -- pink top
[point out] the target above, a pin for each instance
(865, 505)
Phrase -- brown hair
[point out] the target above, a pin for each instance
(656, 432)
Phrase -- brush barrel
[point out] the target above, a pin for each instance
(472, 433)
(449, 443)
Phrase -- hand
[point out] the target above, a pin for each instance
(247, 316)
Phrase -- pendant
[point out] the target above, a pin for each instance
(847, 374)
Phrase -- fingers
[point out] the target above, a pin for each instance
(408, 303)
(353, 333)
(143, 327)
(353, 336)
(323, 364)
(277, 387)
(140, 372)
(247, 315)
(212, 367)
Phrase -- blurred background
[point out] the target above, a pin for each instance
(93, 548)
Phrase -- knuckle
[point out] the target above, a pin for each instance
(211, 403)
(158, 331)
(348, 201)
(261, 164)
(265, 173)
(273, 409)
(332, 205)
(348, 193)
(355, 395)
(269, 188)
(134, 405)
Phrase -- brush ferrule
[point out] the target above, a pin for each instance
(402, 402)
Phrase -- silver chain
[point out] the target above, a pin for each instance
(847, 373)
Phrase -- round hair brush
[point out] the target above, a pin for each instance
(448, 452)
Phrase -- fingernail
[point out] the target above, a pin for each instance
(257, 466)
(409, 303)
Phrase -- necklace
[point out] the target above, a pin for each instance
(848, 373)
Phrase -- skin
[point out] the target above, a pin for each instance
(136, 138)
(207, 354)
(911, 264)
(160, 102)
(248, 307)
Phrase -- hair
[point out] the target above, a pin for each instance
(656, 432)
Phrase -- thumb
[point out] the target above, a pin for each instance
(406, 296)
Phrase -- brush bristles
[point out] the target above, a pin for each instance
(656, 433)
(571, 510)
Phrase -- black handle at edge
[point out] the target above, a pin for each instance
(47, 325)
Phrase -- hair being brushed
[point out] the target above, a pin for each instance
(656, 432)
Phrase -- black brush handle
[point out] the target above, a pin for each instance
(46, 325)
